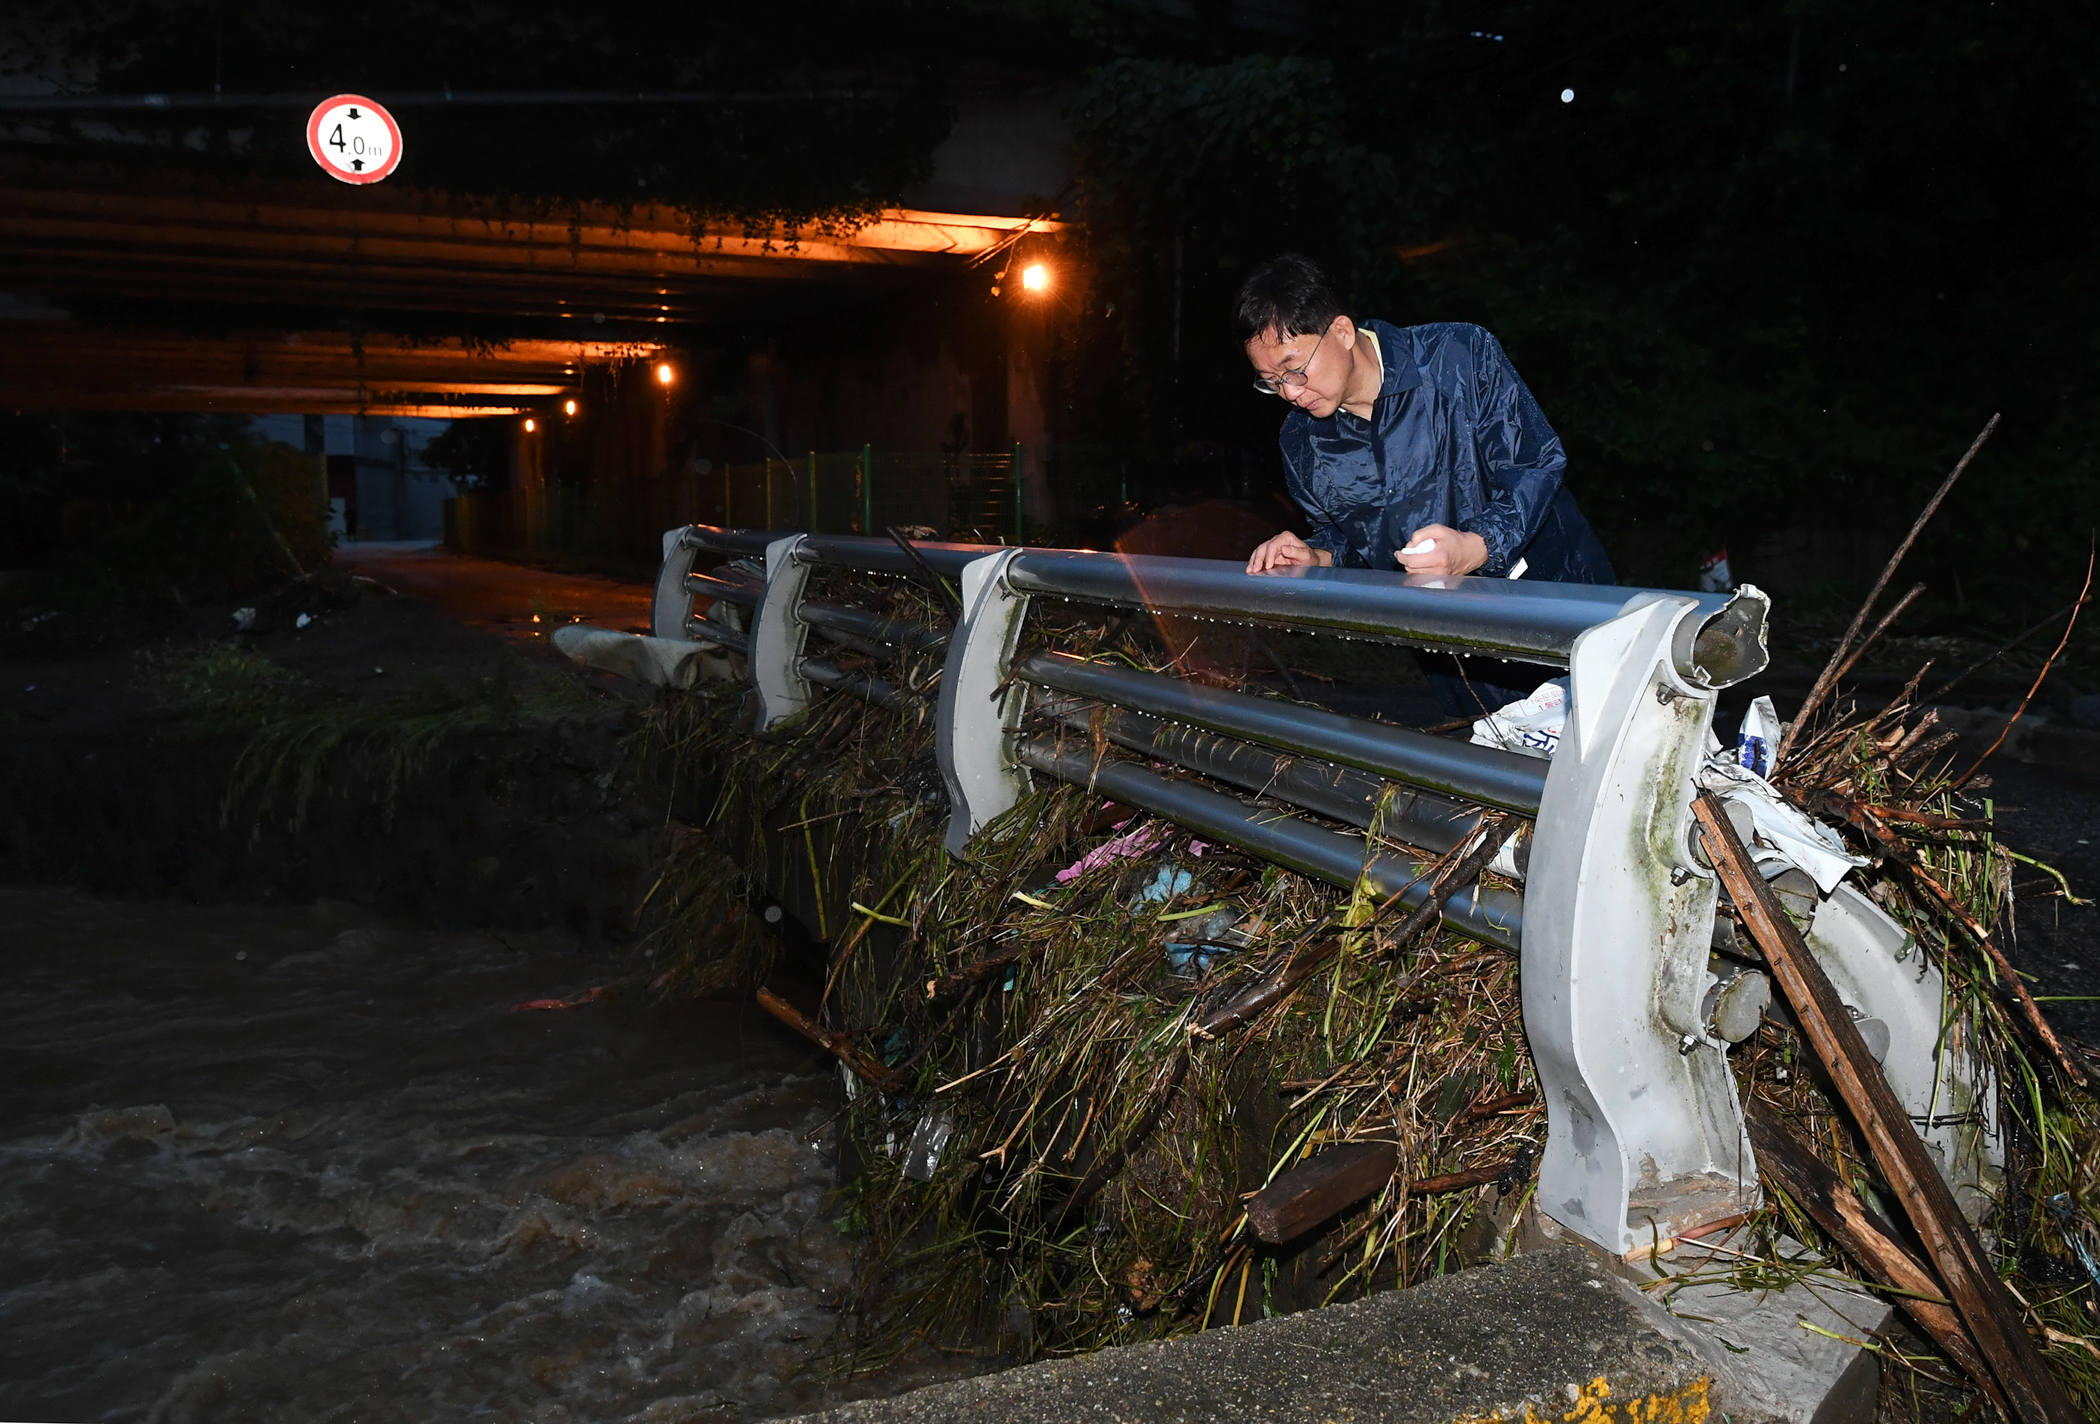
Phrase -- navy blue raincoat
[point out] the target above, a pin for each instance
(1454, 438)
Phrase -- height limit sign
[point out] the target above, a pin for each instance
(353, 139)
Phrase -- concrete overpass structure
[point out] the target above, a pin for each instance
(219, 298)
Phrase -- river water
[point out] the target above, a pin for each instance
(308, 1164)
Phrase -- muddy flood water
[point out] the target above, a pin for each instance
(307, 1164)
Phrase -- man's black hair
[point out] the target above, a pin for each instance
(1288, 294)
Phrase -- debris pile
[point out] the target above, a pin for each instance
(1107, 1082)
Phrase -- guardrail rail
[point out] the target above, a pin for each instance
(1615, 919)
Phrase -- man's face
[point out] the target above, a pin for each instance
(1323, 357)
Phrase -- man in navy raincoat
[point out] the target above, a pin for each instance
(1415, 448)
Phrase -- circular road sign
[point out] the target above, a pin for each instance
(353, 139)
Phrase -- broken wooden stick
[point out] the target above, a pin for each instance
(836, 1044)
(1272, 989)
(1331, 1182)
(941, 592)
(1785, 1162)
(1829, 676)
(979, 970)
(1860, 649)
(2003, 648)
(1868, 819)
(1970, 1279)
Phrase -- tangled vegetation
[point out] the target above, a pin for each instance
(301, 738)
(1026, 1014)
(1090, 1188)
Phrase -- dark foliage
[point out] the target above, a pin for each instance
(475, 453)
(1771, 266)
(108, 510)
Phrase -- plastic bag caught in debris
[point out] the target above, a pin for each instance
(1531, 726)
(1759, 737)
(1783, 830)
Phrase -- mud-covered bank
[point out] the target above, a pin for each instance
(472, 780)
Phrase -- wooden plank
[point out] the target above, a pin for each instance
(1320, 1187)
(1783, 1161)
(1965, 1271)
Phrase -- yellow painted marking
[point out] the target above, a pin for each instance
(1594, 1405)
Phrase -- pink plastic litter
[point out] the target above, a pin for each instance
(1123, 847)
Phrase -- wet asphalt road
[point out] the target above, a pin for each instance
(501, 598)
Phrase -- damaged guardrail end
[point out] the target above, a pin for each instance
(1728, 647)
(1644, 1127)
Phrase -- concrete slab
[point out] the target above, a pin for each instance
(1791, 1353)
(1553, 1335)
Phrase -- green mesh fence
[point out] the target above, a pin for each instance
(619, 524)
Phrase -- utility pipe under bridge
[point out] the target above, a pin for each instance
(1628, 1008)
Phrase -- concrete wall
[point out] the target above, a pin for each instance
(392, 493)
(943, 365)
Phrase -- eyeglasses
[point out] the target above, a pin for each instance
(1289, 380)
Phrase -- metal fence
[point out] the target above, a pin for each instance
(1614, 915)
(940, 494)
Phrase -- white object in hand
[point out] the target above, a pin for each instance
(1422, 548)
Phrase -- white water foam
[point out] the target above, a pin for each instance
(340, 1179)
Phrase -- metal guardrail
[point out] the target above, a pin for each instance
(1616, 914)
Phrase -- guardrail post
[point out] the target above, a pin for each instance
(777, 635)
(672, 605)
(1645, 1134)
(972, 726)
(1020, 536)
(867, 489)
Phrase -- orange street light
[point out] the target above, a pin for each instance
(664, 374)
(568, 408)
(530, 427)
(1035, 277)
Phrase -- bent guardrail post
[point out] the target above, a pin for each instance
(977, 707)
(1645, 1134)
(777, 635)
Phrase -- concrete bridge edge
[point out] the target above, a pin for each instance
(1552, 1335)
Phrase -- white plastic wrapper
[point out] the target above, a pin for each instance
(1784, 830)
(928, 1141)
(1531, 727)
(1759, 737)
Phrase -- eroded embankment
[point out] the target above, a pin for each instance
(380, 754)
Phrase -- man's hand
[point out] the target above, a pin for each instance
(1287, 551)
(1450, 552)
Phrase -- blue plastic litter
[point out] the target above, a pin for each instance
(1172, 880)
(1194, 959)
